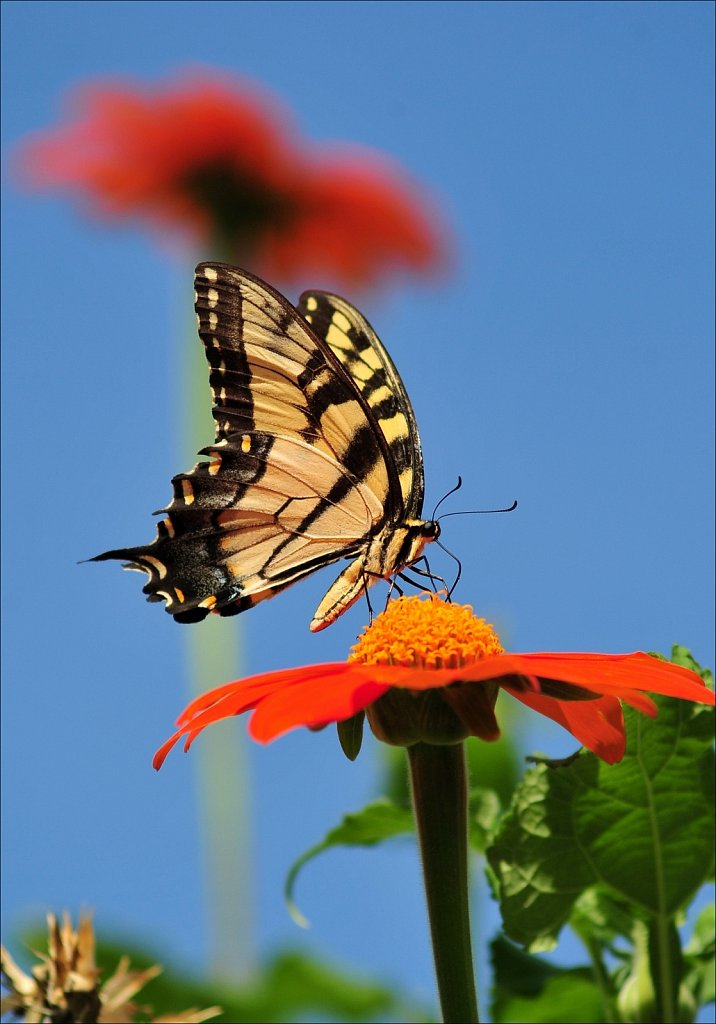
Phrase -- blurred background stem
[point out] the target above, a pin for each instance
(214, 656)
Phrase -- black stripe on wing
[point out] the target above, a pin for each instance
(359, 349)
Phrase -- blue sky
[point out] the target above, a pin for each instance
(568, 364)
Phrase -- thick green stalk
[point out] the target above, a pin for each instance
(439, 788)
(213, 658)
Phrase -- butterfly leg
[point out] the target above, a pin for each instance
(366, 585)
(368, 579)
(426, 573)
(393, 586)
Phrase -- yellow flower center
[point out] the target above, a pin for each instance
(420, 633)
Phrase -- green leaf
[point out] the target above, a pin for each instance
(529, 989)
(703, 939)
(683, 656)
(700, 977)
(375, 823)
(598, 916)
(293, 986)
(643, 828)
(483, 813)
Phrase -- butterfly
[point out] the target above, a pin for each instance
(316, 458)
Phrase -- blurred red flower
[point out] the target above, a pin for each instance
(215, 160)
(428, 671)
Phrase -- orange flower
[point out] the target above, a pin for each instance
(428, 671)
(215, 160)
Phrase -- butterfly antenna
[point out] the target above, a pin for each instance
(457, 487)
(480, 511)
(459, 567)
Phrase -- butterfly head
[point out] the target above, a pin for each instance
(399, 547)
(418, 532)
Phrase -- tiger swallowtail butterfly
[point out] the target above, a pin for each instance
(316, 458)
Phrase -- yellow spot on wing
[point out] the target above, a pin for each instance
(215, 466)
(336, 338)
(212, 296)
(406, 482)
(341, 321)
(210, 274)
(187, 491)
(361, 371)
(396, 426)
(180, 594)
(246, 444)
(213, 320)
(312, 303)
(208, 602)
(377, 482)
(381, 394)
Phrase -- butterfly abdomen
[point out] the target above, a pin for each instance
(395, 548)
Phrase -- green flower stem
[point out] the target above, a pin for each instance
(439, 788)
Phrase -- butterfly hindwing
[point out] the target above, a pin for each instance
(316, 456)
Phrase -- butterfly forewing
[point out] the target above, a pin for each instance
(316, 455)
(365, 359)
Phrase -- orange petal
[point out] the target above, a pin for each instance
(615, 674)
(288, 698)
(256, 687)
(313, 703)
(597, 724)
